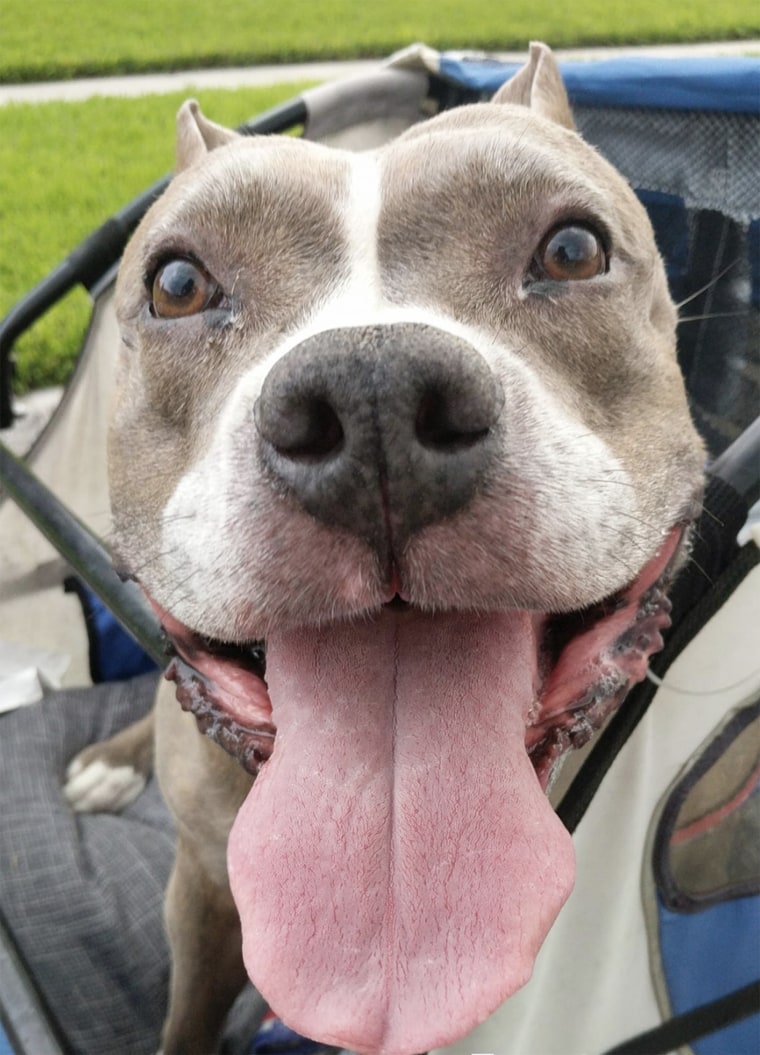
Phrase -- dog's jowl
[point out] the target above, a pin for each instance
(401, 456)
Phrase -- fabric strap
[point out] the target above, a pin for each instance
(694, 1024)
(716, 568)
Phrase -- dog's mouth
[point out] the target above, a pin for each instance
(397, 864)
(585, 663)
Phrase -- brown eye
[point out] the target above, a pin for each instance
(570, 254)
(181, 288)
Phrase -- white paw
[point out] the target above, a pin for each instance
(98, 787)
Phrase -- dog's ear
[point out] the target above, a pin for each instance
(196, 135)
(539, 86)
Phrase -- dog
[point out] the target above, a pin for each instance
(401, 456)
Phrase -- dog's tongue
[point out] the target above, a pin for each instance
(396, 865)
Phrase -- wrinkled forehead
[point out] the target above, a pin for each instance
(506, 160)
(277, 181)
(470, 165)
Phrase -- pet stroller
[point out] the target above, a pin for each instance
(663, 931)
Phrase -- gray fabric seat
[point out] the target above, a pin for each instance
(82, 894)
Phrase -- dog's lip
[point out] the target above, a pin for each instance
(398, 604)
(616, 639)
(224, 684)
(395, 595)
(206, 671)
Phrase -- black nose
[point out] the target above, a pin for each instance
(381, 430)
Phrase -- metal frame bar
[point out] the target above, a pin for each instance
(83, 551)
(94, 257)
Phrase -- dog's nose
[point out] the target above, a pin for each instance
(381, 430)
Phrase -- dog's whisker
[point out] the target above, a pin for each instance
(609, 480)
(706, 511)
(177, 518)
(708, 285)
(153, 560)
(700, 569)
(233, 287)
(714, 315)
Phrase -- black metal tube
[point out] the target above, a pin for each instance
(6, 388)
(739, 464)
(83, 551)
(21, 316)
(84, 266)
(278, 119)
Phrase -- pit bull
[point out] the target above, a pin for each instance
(401, 457)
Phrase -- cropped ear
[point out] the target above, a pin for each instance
(196, 135)
(538, 85)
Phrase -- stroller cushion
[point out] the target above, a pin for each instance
(82, 894)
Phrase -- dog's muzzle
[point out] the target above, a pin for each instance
(381, 430)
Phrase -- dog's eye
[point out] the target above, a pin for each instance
(571, 253)
(180, 288)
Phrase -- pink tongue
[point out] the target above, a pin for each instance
(396, 865)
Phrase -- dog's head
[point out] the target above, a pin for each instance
(414, 420)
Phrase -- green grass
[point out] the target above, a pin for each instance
(64, 169)
(52, 40)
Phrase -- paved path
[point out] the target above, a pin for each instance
(187, 80)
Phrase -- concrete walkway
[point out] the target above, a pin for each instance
(187, 80)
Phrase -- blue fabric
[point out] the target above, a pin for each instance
(5, 1046)
(114, 655)
(753, 245)
(120, 657)
(275, 1038)
(728, 85)
(706, 955)
(670, 222)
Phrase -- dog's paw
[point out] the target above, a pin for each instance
(95, 786)
(107, 776)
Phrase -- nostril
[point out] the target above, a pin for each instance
(305, 429)
(443, 423)
(319, 432)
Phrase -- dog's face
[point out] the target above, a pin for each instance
(414, 419)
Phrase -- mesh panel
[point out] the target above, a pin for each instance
(697, 174)
(709, 160)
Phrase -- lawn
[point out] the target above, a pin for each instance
(64, 169)
(50, 40)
